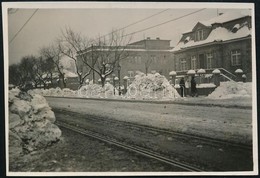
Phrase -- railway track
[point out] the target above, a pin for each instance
(136, 149)
(202, 139)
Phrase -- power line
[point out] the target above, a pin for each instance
(23, 26)
(164, 22)
(134, 23)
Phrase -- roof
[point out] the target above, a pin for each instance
(226, 17)
(219, 34)
(142, 41)
(216, 35)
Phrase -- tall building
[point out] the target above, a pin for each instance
(223, 42)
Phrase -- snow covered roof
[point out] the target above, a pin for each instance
(216, 35)
(220, 33)
(226, 17)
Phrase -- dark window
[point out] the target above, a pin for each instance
(235, 57)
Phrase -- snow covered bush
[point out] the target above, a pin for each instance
(151, 86)
(232, 90)
(31, 122)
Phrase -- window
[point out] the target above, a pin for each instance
(139, 59)
(131, 73)
(209, 60)
(153, 58)
(200, 35)
(235, 28)
(193, 62)
(183, 64)
(235, 57)
(136, 59)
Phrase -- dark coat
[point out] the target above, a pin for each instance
(193, 85)
(182, 83)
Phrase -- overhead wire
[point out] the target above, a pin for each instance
(23, 26)
(144, 19)
(148, 28)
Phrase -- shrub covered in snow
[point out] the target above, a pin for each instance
(31, 122)
(232, 90)
(151, 86)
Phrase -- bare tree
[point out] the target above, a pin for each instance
(71, 44)
(42, 71)
(27, 70)
(22, 73)
(53, 54)
(106, 54)
(15, 75)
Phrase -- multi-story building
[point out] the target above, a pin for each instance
(223, 42)
(148, 55)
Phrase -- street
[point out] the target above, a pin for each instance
(231, 124)
(171, 117)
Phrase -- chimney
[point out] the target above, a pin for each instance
(148, 38)
(157, 38)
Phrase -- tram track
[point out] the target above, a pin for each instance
(135, 149)
(175, 134)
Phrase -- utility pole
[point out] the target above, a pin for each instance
(93, 72)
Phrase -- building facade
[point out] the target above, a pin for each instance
(223, 42)
(147, 56)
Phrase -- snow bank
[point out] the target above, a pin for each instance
(31, 122)
(231, 89)
(151, 86)
(54, 92)
(96, 91)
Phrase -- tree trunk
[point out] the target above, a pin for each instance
(146, 71)
(103, 79)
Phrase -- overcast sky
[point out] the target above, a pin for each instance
(46, 25)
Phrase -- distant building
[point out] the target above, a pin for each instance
(148, 55)
(223, 42)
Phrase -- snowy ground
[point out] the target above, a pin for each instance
(233, 124)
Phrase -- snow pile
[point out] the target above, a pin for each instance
(151, 86)
(232, 89)
(96, 91)
(54, 92)
(31, 123)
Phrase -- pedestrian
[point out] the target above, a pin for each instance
(193, 87)
(182, 87)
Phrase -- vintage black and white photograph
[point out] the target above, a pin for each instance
(116, 88)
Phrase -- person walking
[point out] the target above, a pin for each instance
(193, 87)
(182, 87)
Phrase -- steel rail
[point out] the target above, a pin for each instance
(135, 149)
